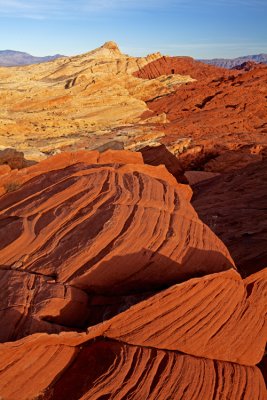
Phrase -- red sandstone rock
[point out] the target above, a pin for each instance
(234, 206)
(209, 317)
(71, 367)
(217, 158)
(63, 160)
(232, 160)
(195, 177)
(221, 112)
(181, 66)
(227, 105)
(4, 169)
(219, 311)
(107, 229)
(33, 303)
(122, 231)
(161, 155)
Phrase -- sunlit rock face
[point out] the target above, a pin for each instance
(223, 113)
(76, 101)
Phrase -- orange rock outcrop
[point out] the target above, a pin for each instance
(80, 225)
(69, 366)
(180, 66)
(112, 287)
(223, 113)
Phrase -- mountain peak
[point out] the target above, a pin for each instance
(111, 46)
(11, 58)
(107, 50)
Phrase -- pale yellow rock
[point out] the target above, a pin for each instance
(77, 101)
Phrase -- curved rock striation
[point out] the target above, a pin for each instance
(178, 65)
(112, 287)
(210, 317)
(65, 369)
(107, 228)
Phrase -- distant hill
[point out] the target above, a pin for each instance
(233, 62)
(11, 58)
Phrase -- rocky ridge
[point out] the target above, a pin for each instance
(225, 115)
(11, 58)
(91, 100)
(234, 62)
(76, 102)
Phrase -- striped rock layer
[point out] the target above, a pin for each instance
(218, 316)
(71, 367)
(107, 228)
(114, 254)
(121, 358)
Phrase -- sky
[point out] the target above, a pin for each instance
(198, 28)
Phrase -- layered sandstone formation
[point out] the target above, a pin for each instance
(223, 113)
(105, 361)
(76, 101)
(180, 66)
(112, 287)
(68, 366)
(35, 303)
(46, 221)
(86, 102)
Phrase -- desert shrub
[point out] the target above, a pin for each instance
(12, 186)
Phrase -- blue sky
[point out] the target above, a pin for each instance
(200, 28)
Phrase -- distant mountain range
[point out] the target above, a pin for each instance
(11, 58)
(233, 62)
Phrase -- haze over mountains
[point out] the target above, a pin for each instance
(10, 58)
(133, 229)
(233, 62)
